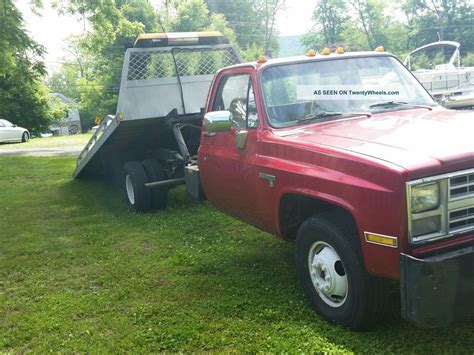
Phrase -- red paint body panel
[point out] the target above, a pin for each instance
(360, 164)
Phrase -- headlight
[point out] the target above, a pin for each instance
(427, 210)
(425, 197)
(424, 226)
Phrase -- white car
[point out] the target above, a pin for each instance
(9, 132)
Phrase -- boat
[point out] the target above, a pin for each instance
(451, 84)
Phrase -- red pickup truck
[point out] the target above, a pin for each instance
(368, 190)
(345, 154)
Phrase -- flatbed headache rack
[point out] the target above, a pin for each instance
(164, 85)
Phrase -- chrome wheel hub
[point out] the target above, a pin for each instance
(328, 274)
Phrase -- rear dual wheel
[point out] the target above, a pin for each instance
(137, 195)
(140, 198)
(155, 172)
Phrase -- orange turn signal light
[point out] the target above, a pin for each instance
(381, 239)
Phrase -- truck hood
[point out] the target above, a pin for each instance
(412, 139)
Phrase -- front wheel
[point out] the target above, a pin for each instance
(25, 137)
(331, 270)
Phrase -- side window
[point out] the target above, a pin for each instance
(2, 124)
(235, 94)
(7, 123)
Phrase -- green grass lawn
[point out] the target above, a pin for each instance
(77, 139)
(79, 273)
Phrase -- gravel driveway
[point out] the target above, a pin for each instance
(66, 151)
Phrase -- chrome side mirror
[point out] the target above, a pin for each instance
(217, 121)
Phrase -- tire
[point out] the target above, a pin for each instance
(327, 245)
(155, 172)
(137, 195)
(25, 137)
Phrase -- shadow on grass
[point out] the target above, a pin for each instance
(110, 197)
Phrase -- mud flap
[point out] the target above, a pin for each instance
(439, 289)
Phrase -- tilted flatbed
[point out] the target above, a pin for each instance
(164, 85)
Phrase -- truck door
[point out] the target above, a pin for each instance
(227, 159)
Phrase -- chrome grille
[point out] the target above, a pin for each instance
(461, 219)
(461, 186)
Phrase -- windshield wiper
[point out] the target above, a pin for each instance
(331, 114)
(399, 103)
(389, 104)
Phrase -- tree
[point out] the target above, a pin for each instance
(372, 21)
(93, 72)
(432, 20)
(23, 98)
(191, 15)
(243, 18)
(253, 21)
(270, 9)
(329, 17)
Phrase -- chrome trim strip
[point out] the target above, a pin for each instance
(440, 177)
(460, 230)
(461, 197)
(455, 220)
(459, 204)
(431, 213)
(454, 187)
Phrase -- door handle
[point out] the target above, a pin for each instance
(270, 178)
(209, 134)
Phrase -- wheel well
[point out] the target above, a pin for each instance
(295, 209)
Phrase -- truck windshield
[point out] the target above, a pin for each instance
(333, 89)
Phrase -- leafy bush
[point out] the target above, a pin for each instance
(468, 60)
(23, 97)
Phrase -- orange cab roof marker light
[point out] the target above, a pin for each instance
(261, 59)
(311, 53)
(340, 50)
(326, 51)
(380, 49)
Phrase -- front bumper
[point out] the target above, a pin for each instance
(439, 289)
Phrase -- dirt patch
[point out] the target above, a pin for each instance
(66, 151)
